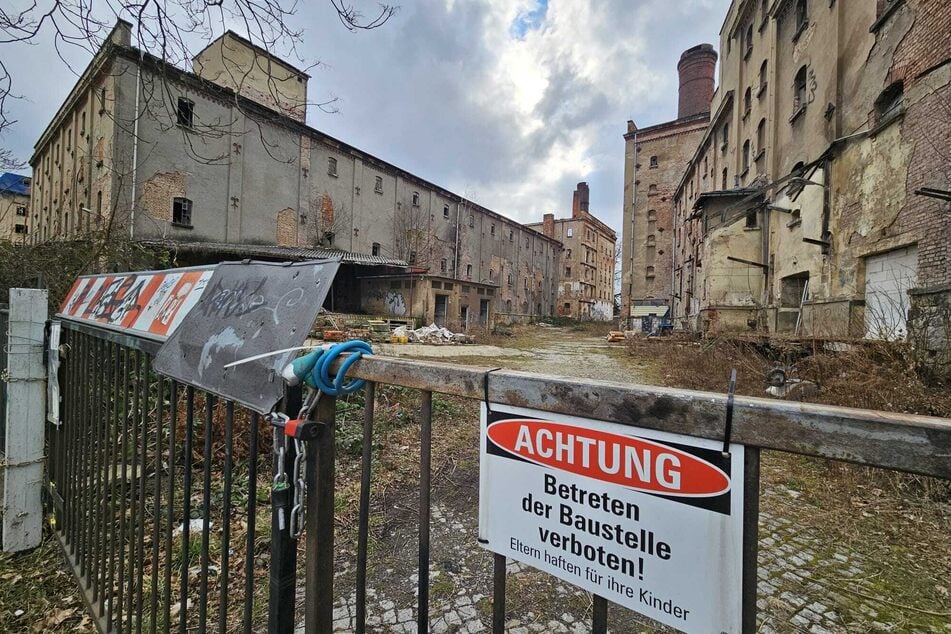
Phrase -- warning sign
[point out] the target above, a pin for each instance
(649, 520)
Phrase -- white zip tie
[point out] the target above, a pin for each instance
(271, 354)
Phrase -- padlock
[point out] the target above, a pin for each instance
(301, 429)
(279, 501)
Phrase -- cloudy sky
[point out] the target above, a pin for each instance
(510, 102)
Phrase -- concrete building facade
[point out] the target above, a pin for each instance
(817, 201)
(654, 160)
(586, 287)
(14, 207)
(202, 157)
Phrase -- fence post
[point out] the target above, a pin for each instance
(283, 587)
(319, 561)
(22, 522)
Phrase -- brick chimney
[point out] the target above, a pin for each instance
(697, 67)
(579, 200)
(548, 225)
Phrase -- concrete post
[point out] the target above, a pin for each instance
(22, 511)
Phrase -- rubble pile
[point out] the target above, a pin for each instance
(431, 334)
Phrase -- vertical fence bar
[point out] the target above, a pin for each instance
(143, 417)
(136, 362)
(363, 530)
(599, 615)
(186, 506)
(79, 524)
(498, 594)
(750, 536)
(123, 488)
(226, 520)
(95, 506)
(92, 503)
(170, 494)
(319, 564)
(157, 504)
(425, 482)
(113, 444)
(252, 516)
(283, 571)
(205, 514)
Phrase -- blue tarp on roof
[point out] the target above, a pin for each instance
(11, 183)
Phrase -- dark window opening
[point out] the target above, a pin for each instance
(802, 15)
(376, 248)
(332, 166)
(889, 102)
(762, 79)
(21, 211)
(445, 211)
(653, 163)
(468, 270)
(186, 112)
(19, 228)
(182, 212)
(412, 257)
(751, 219)
(415, 199)
(799, 91)
(442, 265)
(378, 187)
(746, 156)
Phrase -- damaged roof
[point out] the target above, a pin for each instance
(274, 251)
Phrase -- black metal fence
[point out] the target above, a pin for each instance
(159, 490)
(155, 493)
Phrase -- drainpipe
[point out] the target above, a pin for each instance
(135, 142)
(455, 264)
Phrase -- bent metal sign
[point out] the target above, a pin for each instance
(647, 519)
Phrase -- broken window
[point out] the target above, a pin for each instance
(570, 232)
(762, 79)
(724, 136)
(332, 166)
(802, 15)
(21, 211)
(19, 228)
(793, 290)
(749, 40)
(567, 271)
(442, 265)
(376, 248)
(468, 270)
(511, 235)
(471, 221)
(799, 91)
(751, 219)
(378, 187)
(182, 212)
(747, 102)
(509, 279)
(185, 114)
(723, 184)
(445, 211)
(746, 156)
(491, 274)
(761, 139)
(889, 102)
(653, 162)
(412, 257)
(567, 254)
(492, 229)
(415, 199)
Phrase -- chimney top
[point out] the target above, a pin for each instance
(697, 67)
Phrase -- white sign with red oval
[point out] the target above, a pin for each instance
(649, 520)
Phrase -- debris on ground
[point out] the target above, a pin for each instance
(431, 334)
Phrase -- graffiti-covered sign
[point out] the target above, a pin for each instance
(150, 304)
(247, 309)
(647, 519)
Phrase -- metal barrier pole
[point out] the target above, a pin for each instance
(750, 537)
(283, 569)
(319, 562)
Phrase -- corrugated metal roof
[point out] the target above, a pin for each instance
(14, 184)
(275, 251)
(647, 311)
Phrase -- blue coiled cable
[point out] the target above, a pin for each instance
(319, 376)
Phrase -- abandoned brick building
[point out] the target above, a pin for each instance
(654, 159)
(219, 163)
(14, 207)
(586, 286)
(816, 201)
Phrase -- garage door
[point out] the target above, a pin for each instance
(888, 278)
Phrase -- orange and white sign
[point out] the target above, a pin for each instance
(151, 303)
(647, 519)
